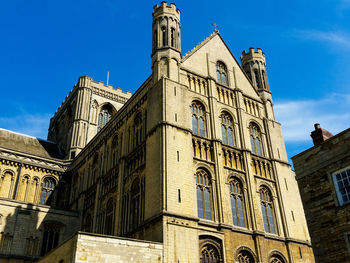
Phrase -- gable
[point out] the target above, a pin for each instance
(216, 50)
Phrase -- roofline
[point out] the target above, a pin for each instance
(316, 146)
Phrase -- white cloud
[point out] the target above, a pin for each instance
(298, 117)
(34, 125)
(337, 38)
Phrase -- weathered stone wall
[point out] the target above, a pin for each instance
(92, 248)
(327, 221)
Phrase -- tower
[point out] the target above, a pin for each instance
(254, 65)
(166, 42)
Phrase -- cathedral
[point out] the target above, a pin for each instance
(190, 168)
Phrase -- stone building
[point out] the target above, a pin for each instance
(193, 164)
(323, 175)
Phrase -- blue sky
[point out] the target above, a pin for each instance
(46, 45)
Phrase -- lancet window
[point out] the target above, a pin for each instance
(50, 237)
(221, 73)
(237, 203)
(198, 119)
(204, 195)
(46, 192)
(103, 117)
(110, 214)
(255, 139)
(227, 129)
(267, 210)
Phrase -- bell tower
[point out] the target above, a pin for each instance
(254, 65)
(166, 41)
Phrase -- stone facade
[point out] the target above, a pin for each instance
(194, 160)
(327, 217)
(87, 247)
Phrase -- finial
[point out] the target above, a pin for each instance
(215, 27)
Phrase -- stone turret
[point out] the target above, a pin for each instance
(166, 41)
(254, 65)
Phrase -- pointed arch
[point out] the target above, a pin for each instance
(267, 210)
(198, 118)
(204, 194)
(227, 129)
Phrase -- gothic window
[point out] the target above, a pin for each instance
(255, 139)
(221, 73)
(50, 237)
(109, 217)
(277, 259)
(237, 203)
(198, 119)
(267, 210)
(5, 242)
(46, 192)
(164, 36)
(341, 181)
(210, 254)
(31, 248)
(227, 129)
(103, 117)
(245, 257)
(138, 129)
(257, 78)
(172, 32)
(155, 39)
(135, 198)
(204, 195)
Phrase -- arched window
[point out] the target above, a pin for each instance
(221, 73)
(276, 259)
(103, 117)
(237, 203)
(245, 257)
(204, 195)
(210, 254)
(255, 139)
(109, 217)
(267, 210)
(198, 119)
(172, 31)
(138, 129)
(164, 36)
(227, 129)
(47, 190)
(135, 196)
(50, 237)
(257, 79)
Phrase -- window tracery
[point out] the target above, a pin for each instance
(237, 203)
(103, 117)
(204, 195)
(221, 73)
(255, 139)
(198, 119)
(245, 256)
(267, 210)
(210, 254)
(50, 237)
(48, 187)
(227, 129)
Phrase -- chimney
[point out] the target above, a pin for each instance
(319, 135)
